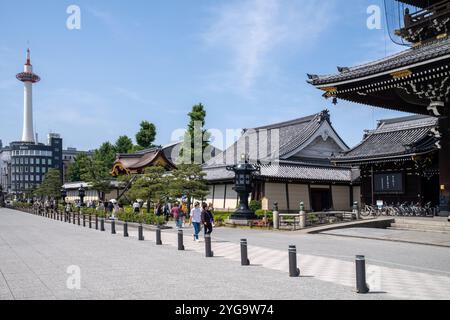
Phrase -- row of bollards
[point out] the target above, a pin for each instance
(294, 271)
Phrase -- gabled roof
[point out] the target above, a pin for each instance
(393, 139)
(137, 162)
(275, 141)
(282, 141)
(438, 49)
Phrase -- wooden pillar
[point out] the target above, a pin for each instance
(444, 165)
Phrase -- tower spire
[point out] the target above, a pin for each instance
(28, 63)
(28, 78)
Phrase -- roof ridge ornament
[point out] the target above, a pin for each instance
(324, 115)
(343, 69)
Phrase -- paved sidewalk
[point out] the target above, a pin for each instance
(408, 236)
(35, 253)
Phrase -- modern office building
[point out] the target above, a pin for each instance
(5, 168)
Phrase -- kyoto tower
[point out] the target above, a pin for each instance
(28, 78)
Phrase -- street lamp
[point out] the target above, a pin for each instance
(243, 185)
(81, 194)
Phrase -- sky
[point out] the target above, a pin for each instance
(245, 60)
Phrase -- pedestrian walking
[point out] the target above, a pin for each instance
(196, 219)
(166, 211)
(176, 213)
(136, 206)
(158, 210)
(207, 219)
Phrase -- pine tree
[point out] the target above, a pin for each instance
(51, 185)
(196, 139)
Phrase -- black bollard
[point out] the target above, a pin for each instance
(125, 229)
(90, 222)
(208, 252)
(158, 236)
(180, 240)
(244, 254)
(84, 220)
(78, 218)
(96, 222)
(361, 285)
(140, 233)
(73, 218)
(293, 270)
(102, 224)
(113, 227)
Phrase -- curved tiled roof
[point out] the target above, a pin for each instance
(291, 135)
(394, 137)
(425, 52)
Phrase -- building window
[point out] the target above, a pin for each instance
(26, 160)
(31, 160)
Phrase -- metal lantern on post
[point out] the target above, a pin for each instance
(81, 194)
(243, 185)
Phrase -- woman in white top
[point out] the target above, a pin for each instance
(196, 219)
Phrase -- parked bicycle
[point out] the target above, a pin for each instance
(400, 209)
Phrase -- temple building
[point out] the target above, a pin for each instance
(295, 167)
(134, 163)
(416, 80)
(398, 161)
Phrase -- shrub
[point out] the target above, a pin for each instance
(261, 213)
(255, 205)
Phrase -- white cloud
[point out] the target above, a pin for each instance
(132, 95)
(252, 30)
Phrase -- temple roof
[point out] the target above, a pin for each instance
(420, 3)
(394, 139)
(284, 158)
(276, 141)
(138, 161)
(433, 50)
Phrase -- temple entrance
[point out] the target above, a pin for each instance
(320, 199)
(430, 190)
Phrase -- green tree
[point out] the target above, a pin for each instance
(149, 186)
(74, 170)
(51, 185)
(146, 135)
(106, 154)
(123, 145)
(188, 180)
(196, 139)
(97, 174)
